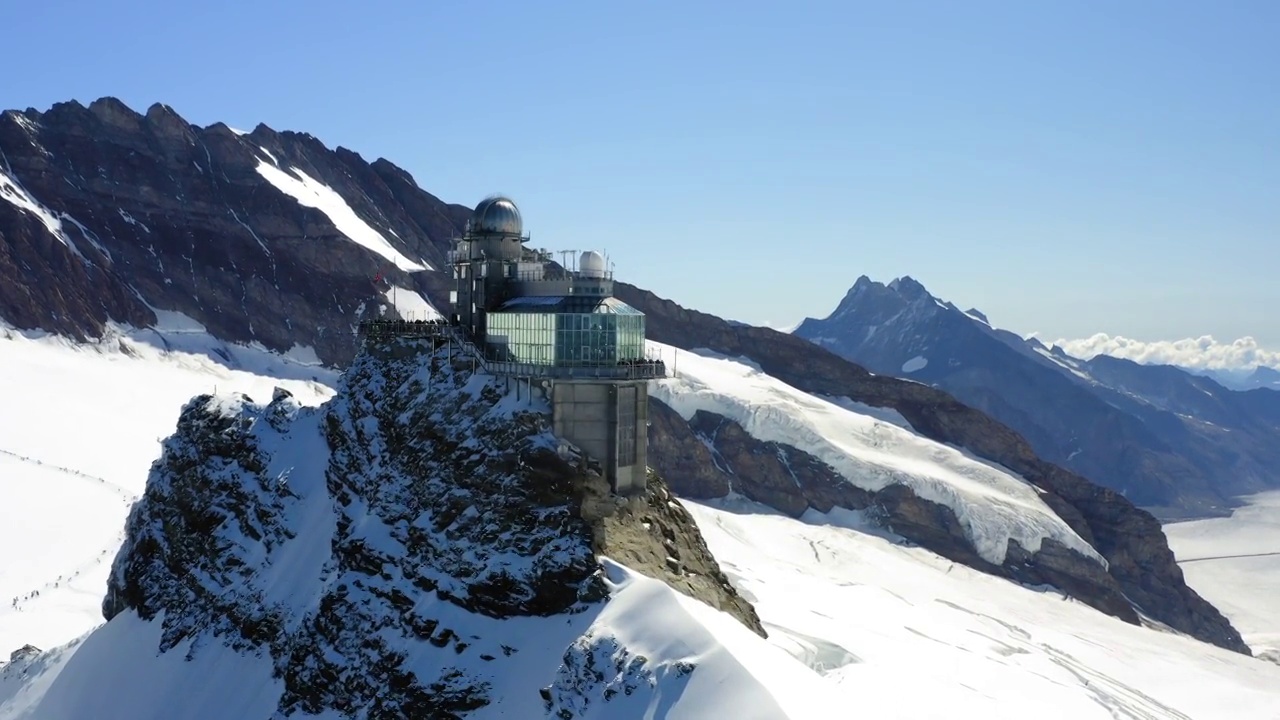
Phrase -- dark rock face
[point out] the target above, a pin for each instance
(1165, 438)
(158, 213)
(440, 502)
(1129, 538)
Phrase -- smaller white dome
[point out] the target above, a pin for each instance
(591, 264)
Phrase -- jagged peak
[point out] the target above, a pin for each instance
(860, 287)
(68, 108)
(113, 111)
(908, 287)
(862, 283)
(28, 120)
(160, 110)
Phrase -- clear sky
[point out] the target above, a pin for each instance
(1068, 167)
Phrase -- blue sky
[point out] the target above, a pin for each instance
(1067, 167)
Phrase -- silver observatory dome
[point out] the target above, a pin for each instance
(497, 214)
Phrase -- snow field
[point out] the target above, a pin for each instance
(79, 428)
(1234, 562)
(411, 305)
(903, 633)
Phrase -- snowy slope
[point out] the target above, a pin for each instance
(992, 504)
(868, 621)
(679, 659)
(79, 428)
(1235, 563)
(902, 633)
(295, 543)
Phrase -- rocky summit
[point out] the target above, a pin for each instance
(391, 550)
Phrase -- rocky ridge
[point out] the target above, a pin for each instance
(361, 544)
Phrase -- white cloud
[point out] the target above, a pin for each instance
(1202, 353)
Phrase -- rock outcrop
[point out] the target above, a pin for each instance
(107, 214)
(358, 543)
(1137, 552)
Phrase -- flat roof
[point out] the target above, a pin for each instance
(571, 304)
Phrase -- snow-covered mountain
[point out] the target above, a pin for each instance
(1257, 378)
(237, 568)
(1169, 440)
(417, 547)
(271, 537)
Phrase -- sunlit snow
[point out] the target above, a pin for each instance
(860, 623)
(314, 194)
(903, 633)
(411, 305)
(1234, 562)
(79, 427)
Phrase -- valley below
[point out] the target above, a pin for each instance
(1234, 562)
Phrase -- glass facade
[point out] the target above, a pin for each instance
(601, 332)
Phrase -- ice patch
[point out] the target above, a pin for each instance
(303, 355)
(916, 363)
(312, 193)
(411, 305)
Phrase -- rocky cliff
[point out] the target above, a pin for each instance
(1137, 552)
(373, 547)
(110, 215)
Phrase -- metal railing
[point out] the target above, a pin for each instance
(649, 368)
(640, 370)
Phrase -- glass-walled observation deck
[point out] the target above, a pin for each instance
(566, 332)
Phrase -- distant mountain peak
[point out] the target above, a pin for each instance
(908, 286)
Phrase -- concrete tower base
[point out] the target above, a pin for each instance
(609, 422)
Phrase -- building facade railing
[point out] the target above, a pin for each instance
(640, 369)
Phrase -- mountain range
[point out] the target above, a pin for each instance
(1176, 443)
(141, 236)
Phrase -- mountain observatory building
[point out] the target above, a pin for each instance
(557, 328)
